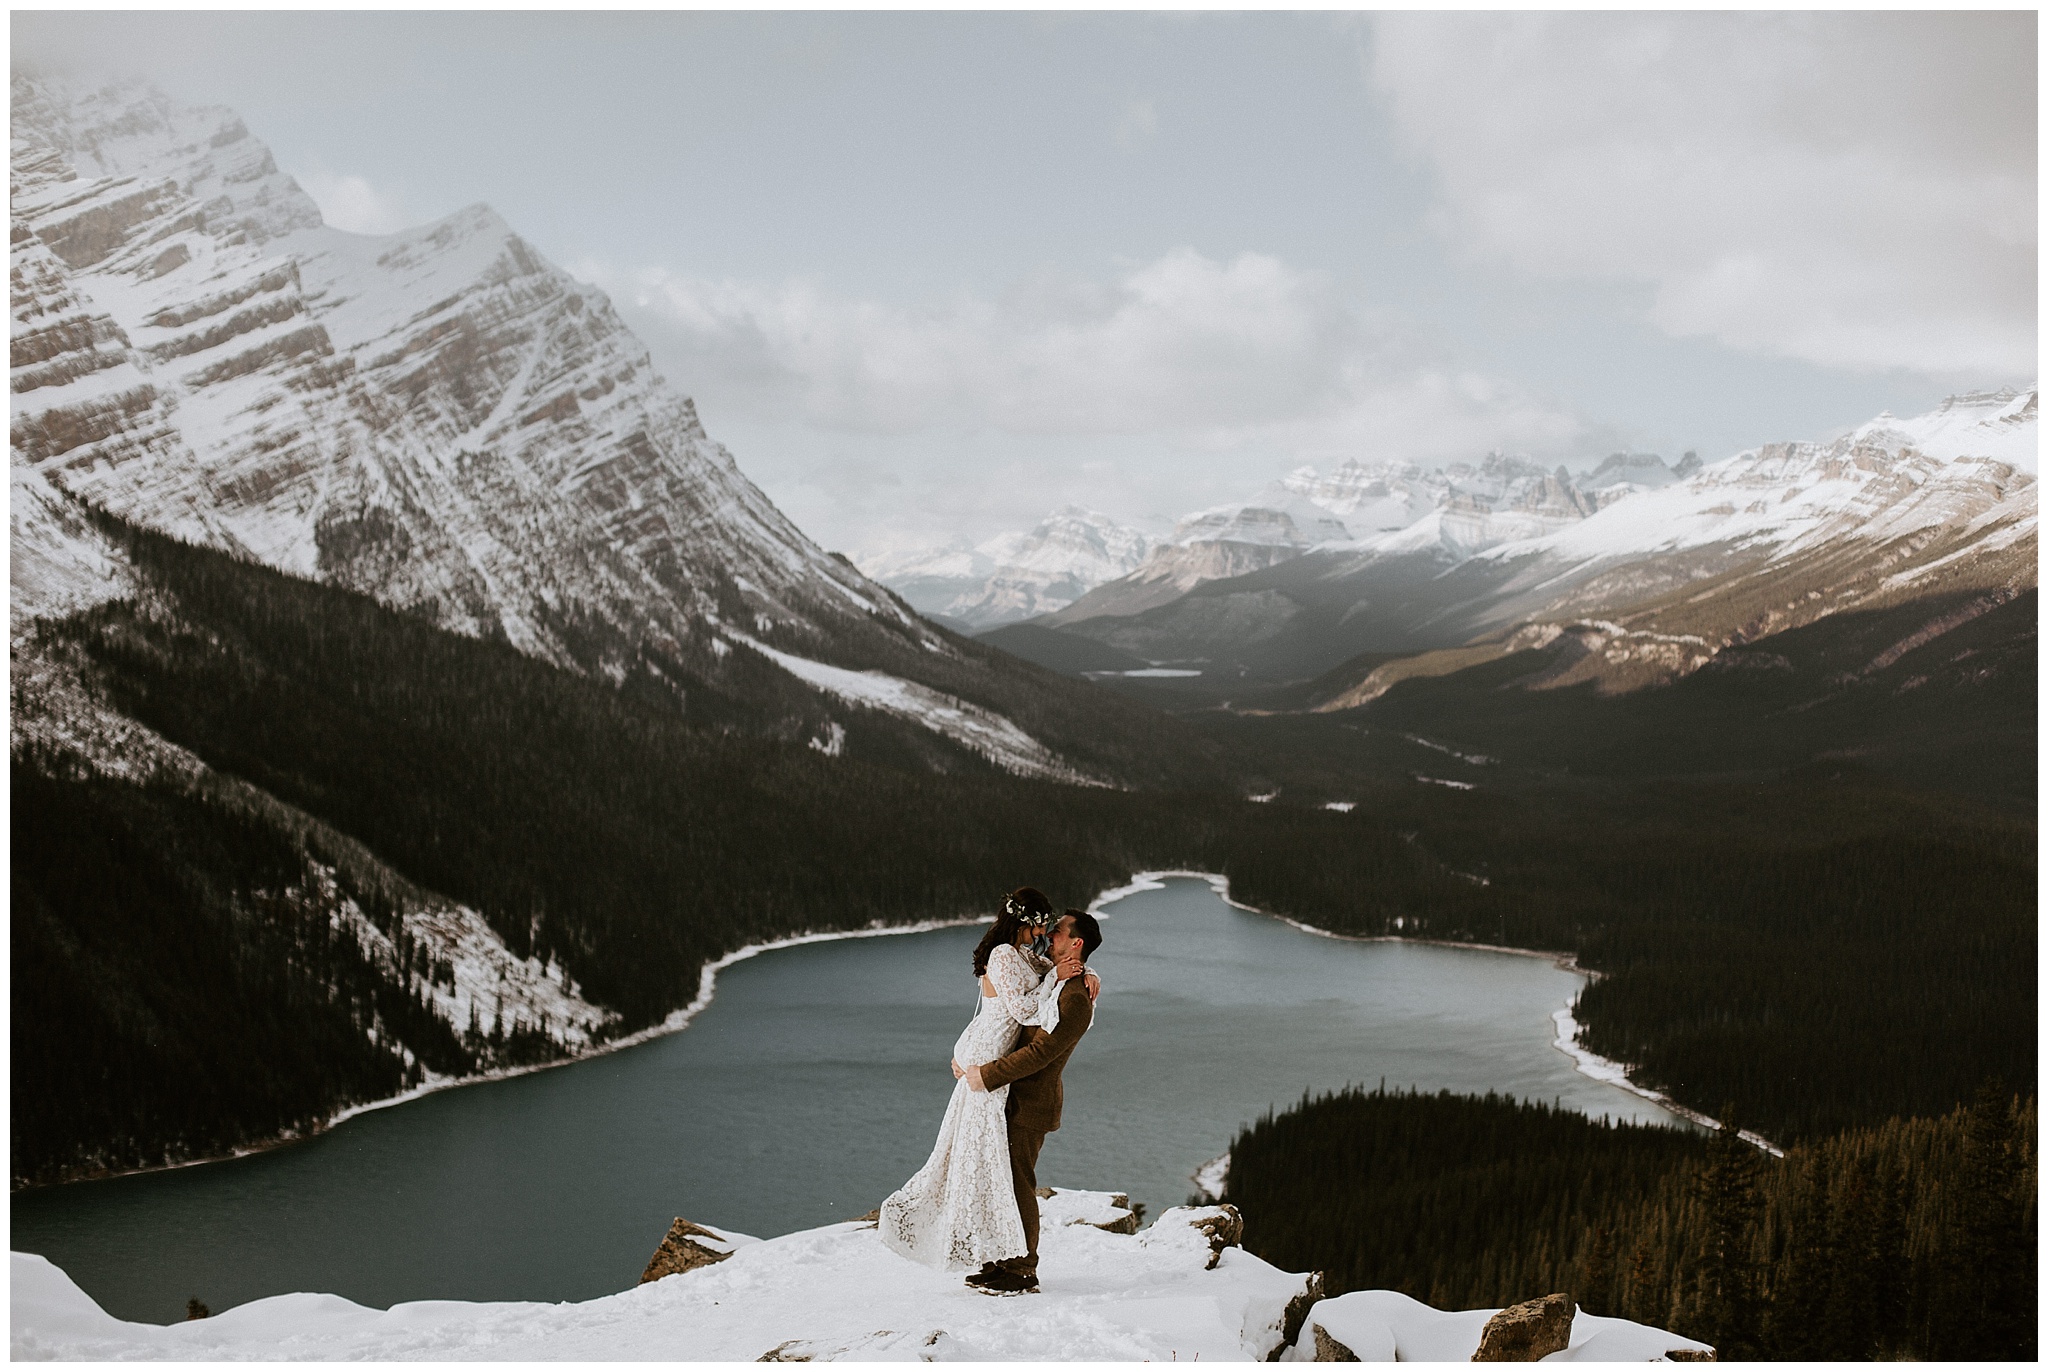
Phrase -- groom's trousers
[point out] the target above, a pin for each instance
(1032, 1072)
(1024, 1146)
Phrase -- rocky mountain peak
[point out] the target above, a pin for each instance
(1015, 575)
(439, 417)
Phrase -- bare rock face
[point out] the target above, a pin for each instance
(1297, 1310)
(1328, 1349)
(1224, 1224)
(1529, 1331)
(1123, 1224)
(1126, 1223)
(686, 1248)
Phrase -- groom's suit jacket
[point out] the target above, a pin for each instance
(1032, 1069)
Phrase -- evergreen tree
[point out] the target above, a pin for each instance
(1727, 1291)
(1994, 1261)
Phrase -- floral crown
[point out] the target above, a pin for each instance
(1035, 919)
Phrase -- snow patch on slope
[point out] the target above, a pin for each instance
(59, 563)
(981, 731)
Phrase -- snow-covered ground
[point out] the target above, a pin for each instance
(1386, 1326)
(829, 1294)
(983, 731)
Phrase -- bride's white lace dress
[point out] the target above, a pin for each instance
(960, 1211)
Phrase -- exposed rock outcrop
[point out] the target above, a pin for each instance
(1529, 1331)
(1215, 1227)
(1297, 1310)
(1328, 1349)
(1109, 1211)
(686, 1248)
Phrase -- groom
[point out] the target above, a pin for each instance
(1032, 1072)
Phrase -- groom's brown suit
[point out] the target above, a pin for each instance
(1032, 1072)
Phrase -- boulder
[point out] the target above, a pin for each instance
(1529, 1331)
(686, 1248)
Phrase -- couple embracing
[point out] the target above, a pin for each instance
(973, 1207)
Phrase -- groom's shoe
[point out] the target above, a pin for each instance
(1003, 1282)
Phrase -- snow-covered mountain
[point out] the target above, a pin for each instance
(1461, 508)
(1180, 1290)
(439, 418)
(1014, 575)
(1375, 497)
(1675, 561)
(1208, 545)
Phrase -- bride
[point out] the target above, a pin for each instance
(960, 1212)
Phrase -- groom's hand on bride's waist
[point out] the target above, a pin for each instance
(974, 1082)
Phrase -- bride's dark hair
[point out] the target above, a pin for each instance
(1022, 903)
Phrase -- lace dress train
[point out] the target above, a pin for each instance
(960, 1210)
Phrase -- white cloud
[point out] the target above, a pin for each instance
(352, 203)
(1852, 190)
(1179, 383)
(1209, 353)
(1140, 122)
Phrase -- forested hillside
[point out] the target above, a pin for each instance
(1908, 1239)
(1822, 950)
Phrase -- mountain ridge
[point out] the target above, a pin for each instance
(443, 420)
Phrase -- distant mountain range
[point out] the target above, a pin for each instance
(1648, 571)
(1044, 573)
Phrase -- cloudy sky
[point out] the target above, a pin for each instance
(935, 274)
